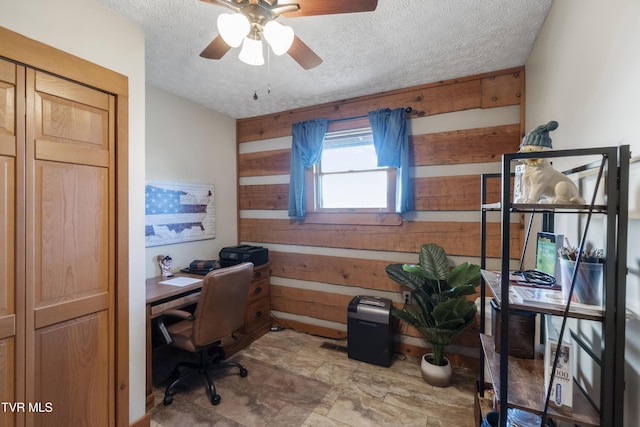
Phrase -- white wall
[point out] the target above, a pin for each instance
(86, 29)
(187, 142)
(583, 72)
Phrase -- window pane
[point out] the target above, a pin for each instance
(355, 190)
(352, 152)
(351, 158)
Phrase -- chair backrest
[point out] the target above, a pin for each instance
(222, 303)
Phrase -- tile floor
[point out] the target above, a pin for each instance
(296, 379)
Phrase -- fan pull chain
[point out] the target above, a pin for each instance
(268, 71)
(255, 92)
(255, 76)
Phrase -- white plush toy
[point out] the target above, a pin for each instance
(540, 182)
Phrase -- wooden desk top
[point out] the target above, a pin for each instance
(157, 292)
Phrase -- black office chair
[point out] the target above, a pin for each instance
(219, 315)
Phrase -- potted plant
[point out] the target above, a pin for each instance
(441, 310)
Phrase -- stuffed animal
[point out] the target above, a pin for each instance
(540, 182)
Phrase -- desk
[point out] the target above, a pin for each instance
(161, 298)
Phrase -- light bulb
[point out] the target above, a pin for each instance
(251, 52)
(233, 28)
(279, 37)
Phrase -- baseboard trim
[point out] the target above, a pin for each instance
(145, 421)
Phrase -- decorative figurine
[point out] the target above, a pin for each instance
(540, 182)
(165, 265)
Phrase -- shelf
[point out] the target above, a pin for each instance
(578, 311)
(541, 207)
(527, 390)
(545, 208)
(523, 379)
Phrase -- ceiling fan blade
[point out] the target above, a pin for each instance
(216, 49)
(303, 54)
(328, 7)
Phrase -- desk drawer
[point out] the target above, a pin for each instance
(258, 313)
(174, 304)
(260, 272)
(258, 290)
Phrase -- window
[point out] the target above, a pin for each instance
(348, 180)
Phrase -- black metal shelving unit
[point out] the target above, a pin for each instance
(612, 168)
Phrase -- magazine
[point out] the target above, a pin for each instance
(552, 298)
(540, 295)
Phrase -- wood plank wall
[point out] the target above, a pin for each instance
(459, 129)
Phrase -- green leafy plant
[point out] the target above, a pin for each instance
(440, 311)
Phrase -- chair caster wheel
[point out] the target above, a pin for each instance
(215, 399)
(167, 400)
(243, 372)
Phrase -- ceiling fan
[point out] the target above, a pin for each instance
(255, 20)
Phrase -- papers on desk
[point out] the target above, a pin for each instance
(180, 281)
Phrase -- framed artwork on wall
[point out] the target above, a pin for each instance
(178, 212)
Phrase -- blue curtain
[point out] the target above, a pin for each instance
(390, 139)
(306, 150)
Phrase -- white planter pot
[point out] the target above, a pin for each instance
(439, 376)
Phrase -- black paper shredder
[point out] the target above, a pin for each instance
(370, 331)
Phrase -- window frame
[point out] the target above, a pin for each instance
(364, 216)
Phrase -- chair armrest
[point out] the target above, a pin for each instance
(180, 314)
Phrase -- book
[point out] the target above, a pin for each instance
(547, 257)
(562, 388)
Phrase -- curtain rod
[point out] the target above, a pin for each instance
(407, 110)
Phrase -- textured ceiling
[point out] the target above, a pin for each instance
(402, 43)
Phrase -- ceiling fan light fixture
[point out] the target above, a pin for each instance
(279, 37)
(251, 52)
(233, 28)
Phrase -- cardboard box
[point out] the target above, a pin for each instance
(522, 329)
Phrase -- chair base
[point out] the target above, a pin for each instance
(203, 368)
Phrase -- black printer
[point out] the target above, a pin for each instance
(233, 255)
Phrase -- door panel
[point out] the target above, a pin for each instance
(7, 215)
(69, 266)
(71, 371)
(8, 136)
(71, 122)
(7, 378)
(7, 288)
(7, 108)
(71, 229)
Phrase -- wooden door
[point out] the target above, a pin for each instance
(70, 295)
(10, 135)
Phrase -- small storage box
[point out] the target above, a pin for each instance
(369, 328)
(522, 329)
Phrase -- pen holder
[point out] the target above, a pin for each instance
(588, 287)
